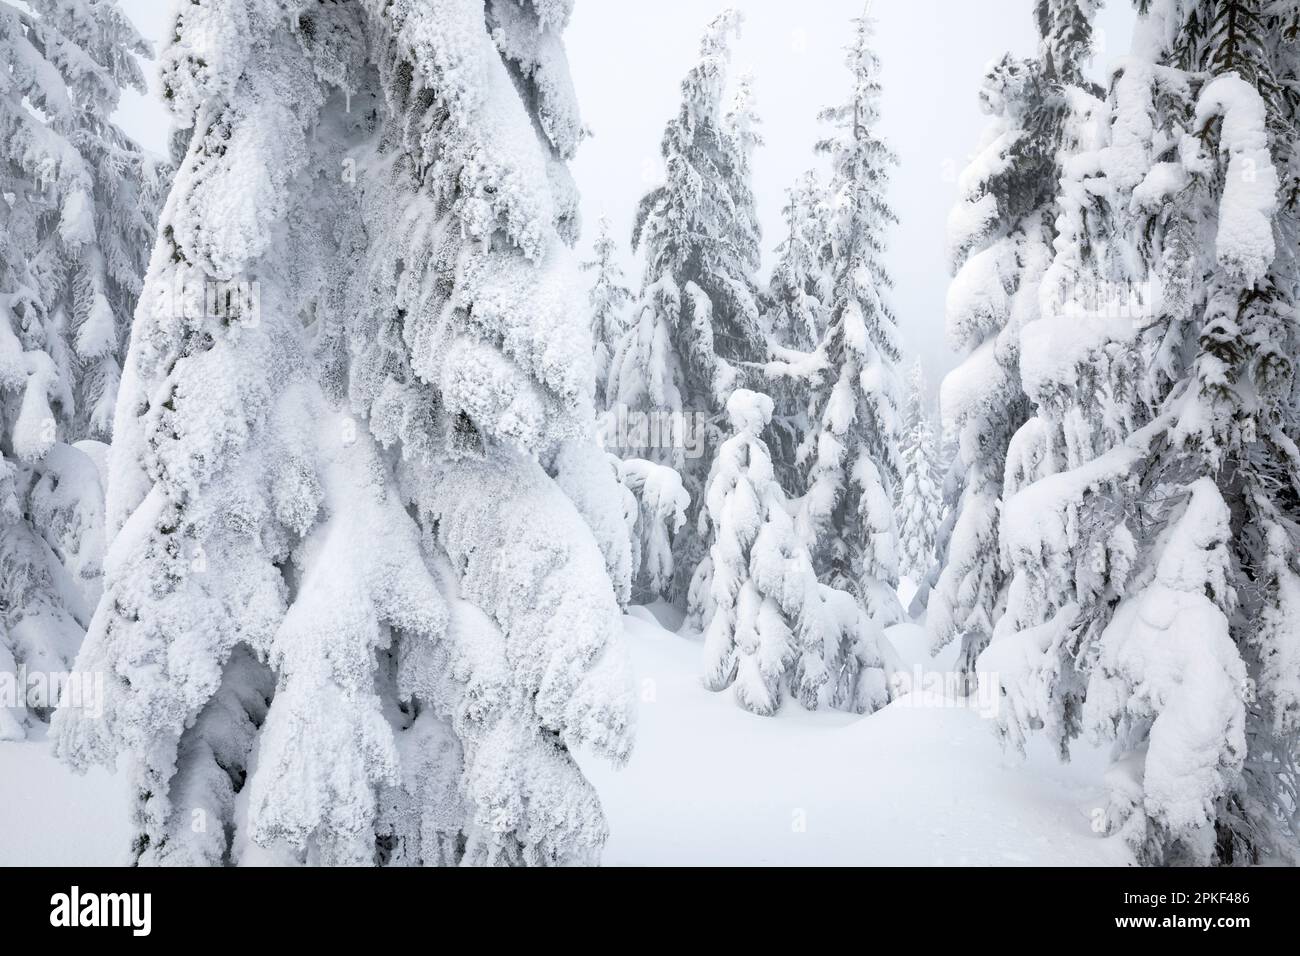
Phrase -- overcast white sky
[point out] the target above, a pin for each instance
(628, 58)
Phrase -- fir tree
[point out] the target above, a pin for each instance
(350, 616)
(609, 299)
(77, 198)
(660, 511)
(1000, 240)
(852, 446)
(798, 291)
(772, 628)
(950, 490)
(1153, 596)
(697, 315)
(920, 500)
(795, 315)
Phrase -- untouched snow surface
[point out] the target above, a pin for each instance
(918, 783)
(49, 816)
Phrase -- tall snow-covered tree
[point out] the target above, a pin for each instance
(609, 299)
(77, 200)
(1000, 239)
(772, 629)
(697, 316)
(1153, 527)
(853, 442)
(920, 495)
(349, 614)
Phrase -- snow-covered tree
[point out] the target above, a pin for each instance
(1152, 529)
(795, 312)
(77, 201)
(773, 629)
(798, 292)
(920, 493)
(661, 504)
(349, 615)
(852, 445)
(950, 490)
(741, 129)
(697, 315)
(609, 299)
(1000, 238)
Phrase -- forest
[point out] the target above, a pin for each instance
(364, 503)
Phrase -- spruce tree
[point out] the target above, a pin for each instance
(1153, 597)
(77, 198)
(609, 298)
(920, 500)
(660, 504)
(852, 445)
(350, 616)
(772, 629)
(798, 290)
(1000, 239)
(795, 317)
(696, 319)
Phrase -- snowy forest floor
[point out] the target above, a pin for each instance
(922, 782)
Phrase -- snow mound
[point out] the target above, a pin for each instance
(921, 782)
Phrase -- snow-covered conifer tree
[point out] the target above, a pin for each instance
(697, 315)
(350, 616)
(798, 291)
(661, 504)
(773, 629)
(1152, 532)
(1000, 239)
(920, 496)
(76, 218)
(852, 445)
(609, 298)
(950, 489)
(795, 317)
(741, 128)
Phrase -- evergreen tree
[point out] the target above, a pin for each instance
(798, 291)
(696, 318)
(773, 629)
(609, 299)
(1000, 240)
(852, 446)
(660, 511)
(795, 316)
(1154, 590)
(76, 204)
(950, 496)
(349, 615)
(920, 499)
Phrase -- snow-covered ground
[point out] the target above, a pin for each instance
(921, 782)
(918, 783)
(49, 816)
